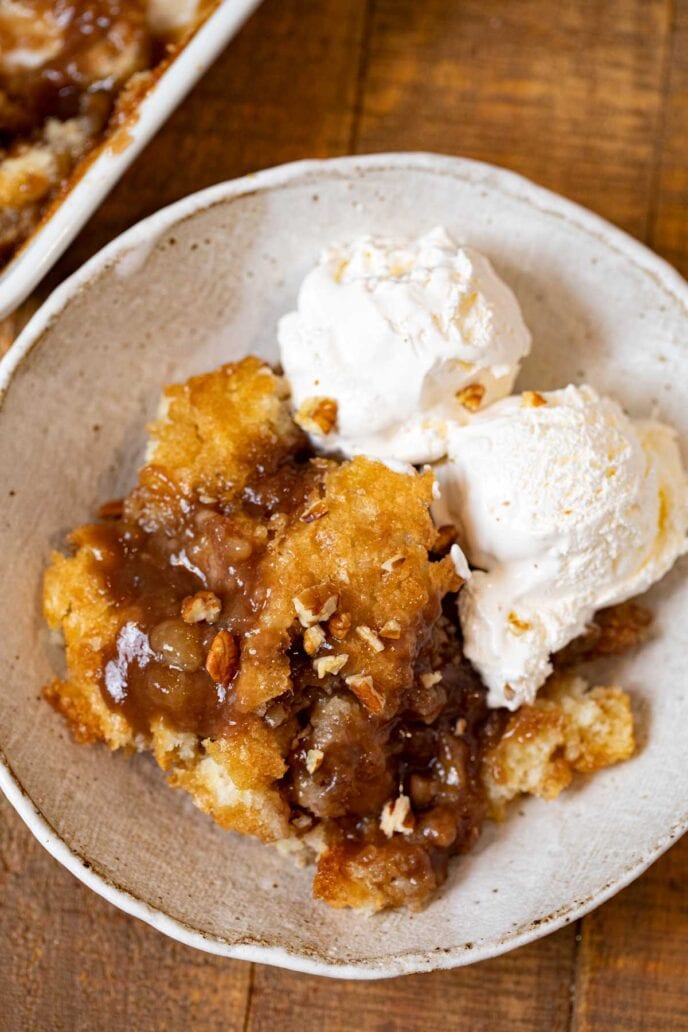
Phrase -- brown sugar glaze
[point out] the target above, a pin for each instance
(157, 667)
(429, 750)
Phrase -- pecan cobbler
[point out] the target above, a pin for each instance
(69, 70)
(281, 631)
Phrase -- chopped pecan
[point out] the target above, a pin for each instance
(317, 415)
(315, 511)
(397, 817)
(314, 758)
(393, 562)
(223, 658)
(339, 625)
(313, 638)
(329, 664)
(315, 605)
(532, 399)
(471, 396)
(369, 636)
(363, 687)
(204, 605)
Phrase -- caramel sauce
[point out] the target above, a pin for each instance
(156, 668)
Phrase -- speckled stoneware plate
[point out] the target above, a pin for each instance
(203, 282)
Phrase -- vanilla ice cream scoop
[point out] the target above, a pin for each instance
(393, 338)
(566, 506)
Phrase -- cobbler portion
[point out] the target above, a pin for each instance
(68, 69)
(280, 630)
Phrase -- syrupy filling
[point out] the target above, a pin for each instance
(344, 763)
(158, 664)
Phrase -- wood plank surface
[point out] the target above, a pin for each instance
(568, 94)
(530, 989)
(285, 89)
(72, 963)
(667, 229)
(589, 98)
(632, 965)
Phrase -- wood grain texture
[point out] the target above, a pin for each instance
(668, 209)
(568, 94)
(530, 989)
(72, 963)
(589, 98)
(285, 89)
(631, 969)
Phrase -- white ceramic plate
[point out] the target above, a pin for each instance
(53, 236)
(203, 282)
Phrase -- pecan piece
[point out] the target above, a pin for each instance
(313, 638)
(317, 415)
(315, 605)
(223, 658)
(471, 396)
(339, 625)
(368, 635)
(393, 561)
(315, 511)
(397, 817)
(329, 664)
(204, 605)
(532, 399)
(314, 758)
(363, 687)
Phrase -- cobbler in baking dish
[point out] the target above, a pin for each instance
(69, 70)
(280, 630)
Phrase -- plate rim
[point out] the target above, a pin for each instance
(150, 229)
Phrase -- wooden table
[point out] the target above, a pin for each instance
(589, 98)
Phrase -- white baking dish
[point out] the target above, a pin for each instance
(57, 231)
